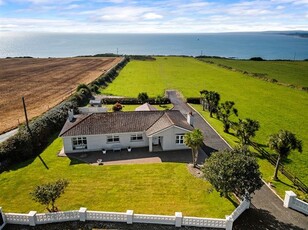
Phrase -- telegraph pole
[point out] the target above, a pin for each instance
(26, 116)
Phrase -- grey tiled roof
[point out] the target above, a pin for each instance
(123, 122)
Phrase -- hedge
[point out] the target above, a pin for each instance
(193, 100)
(134, 101)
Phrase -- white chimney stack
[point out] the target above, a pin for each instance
(71, 115)
(190, 119)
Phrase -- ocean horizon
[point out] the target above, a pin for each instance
(239, 45)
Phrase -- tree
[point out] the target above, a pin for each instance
(194, 140)
(225, 110)
(212, 99)
(47, 194)
(232, 172)
(143, 97)
(282, 143)
(245, 129)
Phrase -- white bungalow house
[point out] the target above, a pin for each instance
(119, 130)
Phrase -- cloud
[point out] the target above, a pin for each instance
(151, 16)
(164, 16)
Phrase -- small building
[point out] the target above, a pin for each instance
(146, 107)
(120, 130)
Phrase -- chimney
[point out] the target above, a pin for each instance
(190, 119)
(71, 115)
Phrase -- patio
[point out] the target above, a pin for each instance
(136, 156)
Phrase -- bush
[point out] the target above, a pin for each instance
(117, 107)
(143, 97)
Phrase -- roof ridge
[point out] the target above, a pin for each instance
(77, 123)
(163, 113)
(170, 119)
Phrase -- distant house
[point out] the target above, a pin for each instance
(146, 107)
(118, 130)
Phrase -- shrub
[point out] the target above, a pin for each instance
(117, 107)
(143, 97)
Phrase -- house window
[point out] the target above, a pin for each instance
(79, 143)
(113, 139)
(136, 137)
(179, 139)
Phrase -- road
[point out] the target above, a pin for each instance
(7, 135)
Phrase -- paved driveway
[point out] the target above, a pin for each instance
(267, 210)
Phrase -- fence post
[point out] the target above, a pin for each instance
(32, 218)
(288, 199)
(229, 222)
(129, 216)
(83, 214)
(178, 219)
(2, 219)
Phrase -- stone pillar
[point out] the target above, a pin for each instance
(178, 219)
(32, 218)
(288, 199)
(129, 216)
(150, 144)
(229, 222)
(83, 214)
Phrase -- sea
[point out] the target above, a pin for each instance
(268, 45)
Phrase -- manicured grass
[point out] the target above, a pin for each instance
(290, 72)
(148, 188)
(275, 107)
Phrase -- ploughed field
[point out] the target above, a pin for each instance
(43, 82)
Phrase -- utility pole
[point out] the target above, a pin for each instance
(26, 116)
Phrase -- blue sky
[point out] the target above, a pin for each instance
(161, 16)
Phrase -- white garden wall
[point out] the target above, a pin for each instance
(33, 218)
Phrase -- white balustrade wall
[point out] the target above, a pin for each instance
(33, 218)
(290, 201)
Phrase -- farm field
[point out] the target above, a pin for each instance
(162, 188)
(274, 106)
(43, 82)
(289, 72)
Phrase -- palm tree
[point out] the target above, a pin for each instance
(194, 140)
(225, 110)
(282, 143)
(245, 129)
(212, 99)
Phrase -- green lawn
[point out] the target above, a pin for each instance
(274, 106)
(290, 72)
(148, 188)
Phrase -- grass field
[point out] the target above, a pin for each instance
(274, 106)
(133, 107)
(290, 72)
(145, 188)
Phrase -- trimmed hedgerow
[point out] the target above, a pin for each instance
(134, 101)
